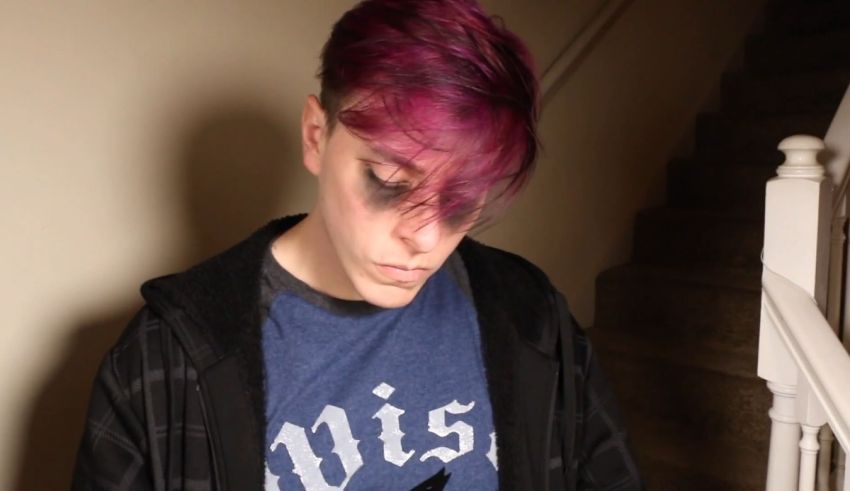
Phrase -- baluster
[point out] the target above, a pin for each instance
(812, 418)
(846, 476)
(784, 435)
(824, 458)
(839, 469)
(808, 457)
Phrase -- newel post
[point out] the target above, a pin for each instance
(796, 235)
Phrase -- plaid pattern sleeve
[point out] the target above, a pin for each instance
(144, 429)
(604, 459)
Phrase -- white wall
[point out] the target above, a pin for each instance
(137, 138)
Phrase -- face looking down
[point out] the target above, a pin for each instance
(385, 240)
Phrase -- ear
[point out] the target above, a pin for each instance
(313, 134)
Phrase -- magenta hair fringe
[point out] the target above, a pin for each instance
(429, 78)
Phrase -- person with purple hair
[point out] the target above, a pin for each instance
(371, 344)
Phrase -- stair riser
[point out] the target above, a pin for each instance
(725, 408)
(717, 135)
(809, 18)
(659, 477)
(661, 239)
(813, 93)
(818, 52)
(699, 465)
(718, 187)
(679, 312)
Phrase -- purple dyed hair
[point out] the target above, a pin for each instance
(424, 76)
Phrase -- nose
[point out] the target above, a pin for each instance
(421, 231)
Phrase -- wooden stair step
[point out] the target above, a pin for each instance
(783, 53)
(738, 189)
(739, 360)
(680, 236)
(807, 18)
(721, 134)
(716, 307)
(816, 91)
(677, 464)
(690, 403)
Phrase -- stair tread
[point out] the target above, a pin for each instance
(783, 40)
(702, 185)
(675, 213)
(697, 403)
(673, 235)
(738, 361)
(746, 120)
(714, 459)
(793, 84)
(764, 167)
(738, 278)
(777, 52)
(755, 136)
(807, 121)
(717, 307)
(806, 18)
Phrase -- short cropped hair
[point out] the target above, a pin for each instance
(417, 77)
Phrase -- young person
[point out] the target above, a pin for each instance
(370, 344)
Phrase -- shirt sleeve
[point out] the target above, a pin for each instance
(112, 451)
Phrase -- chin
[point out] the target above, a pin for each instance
(389, 296)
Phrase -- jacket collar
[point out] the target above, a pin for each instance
(222, 293)
(213, 309)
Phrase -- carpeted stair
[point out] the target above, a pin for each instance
(677, 329)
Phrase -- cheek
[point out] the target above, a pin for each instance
(451, 242)
(355, 218)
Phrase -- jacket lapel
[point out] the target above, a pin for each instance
(213, 308)
(514, 312)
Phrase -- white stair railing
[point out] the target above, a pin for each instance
(806, 311)
(805, 365)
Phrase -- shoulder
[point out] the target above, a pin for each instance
(140, 349)
(508, 287)
(146, 364)
(502, 266)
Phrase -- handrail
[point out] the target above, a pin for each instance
(837, 141)
(568, 58)
(820, 356)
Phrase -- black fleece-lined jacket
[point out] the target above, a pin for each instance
(179, 402)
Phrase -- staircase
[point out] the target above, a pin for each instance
(677, 329)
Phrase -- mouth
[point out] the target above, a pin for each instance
(402, 274)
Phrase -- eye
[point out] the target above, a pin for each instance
(464, 217)
(386, 177)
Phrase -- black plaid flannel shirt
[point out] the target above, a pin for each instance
(145, 428)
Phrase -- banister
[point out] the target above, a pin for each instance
(818, 354)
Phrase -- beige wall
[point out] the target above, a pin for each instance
(608, 133)
(138, 138)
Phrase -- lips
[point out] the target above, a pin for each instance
(400, 274)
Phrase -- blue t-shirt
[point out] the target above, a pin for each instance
(360, 397)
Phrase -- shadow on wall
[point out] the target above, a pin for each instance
(230, 171)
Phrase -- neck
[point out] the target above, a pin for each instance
(305, 252)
